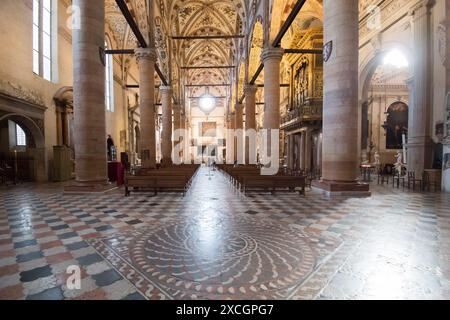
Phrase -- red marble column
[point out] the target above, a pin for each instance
(340, 114)
(146, 59)
(271, 58)
(167, 126)
(250, 122)
(239, 138)
(89, 100)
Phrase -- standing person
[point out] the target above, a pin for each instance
(110, 146)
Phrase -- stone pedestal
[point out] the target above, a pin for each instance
(89, 100)
(340, 115)
(250, 123)
(166, 135)
(146, 61)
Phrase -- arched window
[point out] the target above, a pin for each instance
(17, 137)
(109, 81)
(43, 38)
(21, 137)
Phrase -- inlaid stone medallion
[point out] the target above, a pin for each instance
(218, 258)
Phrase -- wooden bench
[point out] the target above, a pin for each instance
(7, 175)
(274, 183)
(173, 179)
(156, 184)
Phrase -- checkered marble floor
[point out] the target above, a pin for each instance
(394, 245)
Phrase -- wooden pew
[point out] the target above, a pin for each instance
(274, 183)
(139, 183)
(174, 178)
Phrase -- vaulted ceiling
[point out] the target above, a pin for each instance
(206, 18)
(121, 32)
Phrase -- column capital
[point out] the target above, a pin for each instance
(271, 53)
(145, 54)
(166, 89)
(421, 7)
(250, 89)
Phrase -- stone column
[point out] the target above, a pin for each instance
(447, 60)
(340, 114)
(302, 151)
(89, 99)
(231, 142)
(166, 134)
(271, 58)
(446, 173)
(291, 151)
(146, 59)
(239, 140)
(308, 150)
(420, 145)
(250, 122)
(177, 128)
(59, 128)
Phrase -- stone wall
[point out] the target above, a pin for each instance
(16, 70)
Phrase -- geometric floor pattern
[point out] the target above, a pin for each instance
(213, 258)
(216, 243)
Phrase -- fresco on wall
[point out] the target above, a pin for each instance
(397, 124)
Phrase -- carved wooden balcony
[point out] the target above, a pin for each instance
(309, 113)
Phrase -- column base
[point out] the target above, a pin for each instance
(89, 187)
(339, 188)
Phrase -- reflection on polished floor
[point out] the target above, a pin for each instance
(216, 244)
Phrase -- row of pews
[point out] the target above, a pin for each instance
(167, 179)
(248, 178)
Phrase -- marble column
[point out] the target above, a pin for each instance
(420, 145)
(447, 60)
(291, 151)
(89, 99)
(250, 123)
(146, 59)
(302, 151)
(231, 141)
(308, 150)
(166, 134)
(239, 140)
(340, 114)
(183, 136)
(271, 58)
(446, 173)
(59, 127)
(176, 129)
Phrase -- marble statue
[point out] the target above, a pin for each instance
(377, 159)
(399, 163)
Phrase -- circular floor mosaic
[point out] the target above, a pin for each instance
(209, 256)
